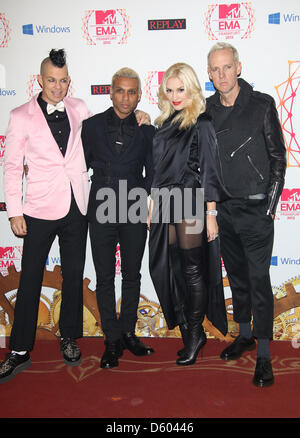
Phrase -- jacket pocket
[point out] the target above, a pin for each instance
(261, 177)
(240, 147)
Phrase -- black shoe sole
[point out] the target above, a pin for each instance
(142, 353)
(108, 366)
(23, 366)
(75, 363)
(261, 384)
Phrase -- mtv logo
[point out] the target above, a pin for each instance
(274, 261)
(27, 29)
(7, 252)
(230, 11)
(160, 75)
(106, 17)
(274, 18)
(2, 141)
(290, 195)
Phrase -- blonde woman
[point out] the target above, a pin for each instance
(183, 210)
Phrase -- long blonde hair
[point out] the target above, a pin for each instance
(196, 103)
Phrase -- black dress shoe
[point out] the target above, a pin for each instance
(70, 351)
(237, 348)
(263, 375)
(133, 344)
(13, 364)
(111, 355)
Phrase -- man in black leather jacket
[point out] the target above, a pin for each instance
(252, 163)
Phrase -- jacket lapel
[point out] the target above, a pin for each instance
(40, 126)
(74, 126)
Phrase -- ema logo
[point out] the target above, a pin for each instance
(290, 203)
(100, 89)
(4, 30)
(287, 18)
(106, 27)
(10, 256)
(28, 29)
(152, 84)
(167, 24)
(223, 21)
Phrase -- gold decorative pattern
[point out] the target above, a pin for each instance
(151, 322)
(90, 366)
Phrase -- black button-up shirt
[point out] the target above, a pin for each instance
(120, 131)
(58, 123)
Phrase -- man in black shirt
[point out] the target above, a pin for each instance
(252, 162)
(118, 151)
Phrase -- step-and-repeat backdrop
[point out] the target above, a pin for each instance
(100, 38)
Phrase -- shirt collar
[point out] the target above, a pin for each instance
(115, 120)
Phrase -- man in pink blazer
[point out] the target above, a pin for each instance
(44, 135)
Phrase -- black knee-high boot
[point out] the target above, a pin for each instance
(178, 288)
(179, 291)
(193, 265)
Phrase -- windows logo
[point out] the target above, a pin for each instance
(27, 29)
(274, 18)
(209, 86)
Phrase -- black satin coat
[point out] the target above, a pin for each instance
(186, 158)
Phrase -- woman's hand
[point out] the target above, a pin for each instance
(211, 227)
(142, 118)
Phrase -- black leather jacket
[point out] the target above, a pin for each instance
(251, 149)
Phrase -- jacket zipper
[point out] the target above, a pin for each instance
(272, 201)
(223, 130)
(255, 168)
(243, 144)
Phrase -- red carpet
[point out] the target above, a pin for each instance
(152, 387)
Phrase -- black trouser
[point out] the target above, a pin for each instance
(104, 239)
(246, 237)
(71, 231)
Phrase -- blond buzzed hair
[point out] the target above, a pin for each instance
(126, 72)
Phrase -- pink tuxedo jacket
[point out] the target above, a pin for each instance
(50, 174)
